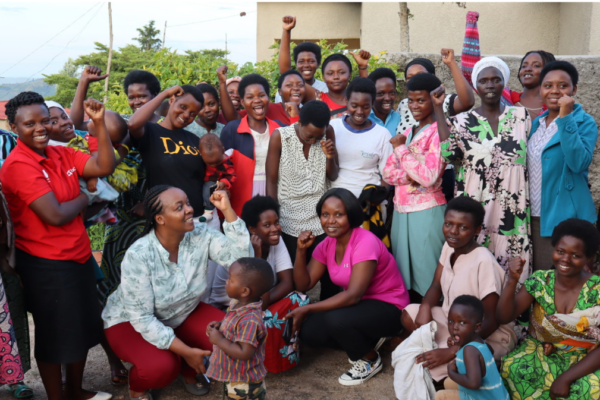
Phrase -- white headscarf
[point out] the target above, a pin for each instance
(50, 104)
(491, 61)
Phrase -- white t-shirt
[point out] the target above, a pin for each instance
(362, 155)
(278, 258)
(319, 85)
(261, 148)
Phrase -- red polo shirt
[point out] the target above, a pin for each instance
(25, 177)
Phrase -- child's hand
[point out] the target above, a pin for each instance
(214, 335)
(305, 240)
(452, 367)
(438, 96)
(222, 73)
(221, 185)
(448, 56)
(362, 58)
(289, 23)
(256, 245)
(398, 140)
(515, 268)
(328, 148)
(91, 184)
(212, 325)
(549, 349)
(450, 341)
(566, 104)
(92, 73)
(94, 109)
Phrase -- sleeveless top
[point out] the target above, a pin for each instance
(301, 183)
(492, 387)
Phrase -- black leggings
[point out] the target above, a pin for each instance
(355, 329)
(328, 288)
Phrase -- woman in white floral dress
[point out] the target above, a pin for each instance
(489, 144)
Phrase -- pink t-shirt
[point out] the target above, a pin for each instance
(387, 283)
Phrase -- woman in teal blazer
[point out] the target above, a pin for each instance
(559, 154)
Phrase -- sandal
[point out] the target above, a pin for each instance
(145, 396)
(196, 388)
(119, 377)
(20, 390)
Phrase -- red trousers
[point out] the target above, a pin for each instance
(154, 368)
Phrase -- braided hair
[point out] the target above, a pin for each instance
(20, 100)
(153, 206)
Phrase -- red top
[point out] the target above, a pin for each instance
(333, 106)
(25, 177)
(224, 172)
(515, 97)
(276, 111)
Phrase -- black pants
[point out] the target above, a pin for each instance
(355, 329)
(328, 288)
(448, 184)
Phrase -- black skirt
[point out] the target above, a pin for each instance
(62, 298)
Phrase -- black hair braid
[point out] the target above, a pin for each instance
(20, 100)
(153, 206)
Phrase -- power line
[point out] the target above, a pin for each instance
(49, 40)
(209, 20)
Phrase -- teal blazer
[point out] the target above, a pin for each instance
(565, 163)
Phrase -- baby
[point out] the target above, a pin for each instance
(239, 340)
(220, 173)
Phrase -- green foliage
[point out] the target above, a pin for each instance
(147, 38)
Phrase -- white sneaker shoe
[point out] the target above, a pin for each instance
(361, 371)
(208, 216)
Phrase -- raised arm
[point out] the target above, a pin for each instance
(306, 276)
(576, 141)
(104, 163)
(146, 112)
(227, 107)
(272, 164)
(510, 306)
(285, 60)
(328, 147)
(90, 74)
(362, 59)
(465, 99)
(438, 96)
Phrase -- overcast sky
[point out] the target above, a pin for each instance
(27, 26)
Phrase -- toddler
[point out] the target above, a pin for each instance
(220, 174)
(239, 340)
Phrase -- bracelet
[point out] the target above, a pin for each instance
(362, 68)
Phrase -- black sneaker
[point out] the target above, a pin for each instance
(361, 371)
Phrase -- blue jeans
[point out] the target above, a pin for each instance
(206, 194)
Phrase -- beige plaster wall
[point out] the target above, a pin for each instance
(575, 25)
(380, 27)
(595, 29)
(314, 21)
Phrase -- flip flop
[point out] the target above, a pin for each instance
(20, 390)
(196, 388)
(121, 375)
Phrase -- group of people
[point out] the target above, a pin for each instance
(461, 237)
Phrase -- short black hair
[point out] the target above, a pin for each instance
(257, 205)
(285, 75)
(211, 142)
(544, 55)
(310, 47)
(315, 112)
(336, 57)
(361, 85)
(354, 210)
(467, 205)
(580, 229)
(472, 302)
(195, 92)
(562, 66)
(257, 274)
(253, 79)
(21, 100)
(210, 89)
(382, 72)
(142, 77)
(425, 81)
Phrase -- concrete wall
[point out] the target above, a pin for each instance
(314, 21)
(588, 91)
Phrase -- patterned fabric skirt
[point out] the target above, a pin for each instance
(528, 374)
(279, 356)
(18, 313)
(11, 370)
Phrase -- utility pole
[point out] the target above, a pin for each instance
(110, 47)
(164, 35)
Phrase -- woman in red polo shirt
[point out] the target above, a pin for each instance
(41, 185)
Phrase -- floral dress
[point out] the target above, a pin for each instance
(528, 373)
(492, 170)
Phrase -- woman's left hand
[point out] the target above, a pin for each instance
(398, 140)
(94, 109)
(362, 58)
(560, 387)
(435, 358)
(299, 316)
(220, 199)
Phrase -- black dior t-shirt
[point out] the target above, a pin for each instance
(172, 158)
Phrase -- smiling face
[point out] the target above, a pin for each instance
(234, 95)
(459, 229)
(359, 108)
(210, 112)
(529, 73)
(183, 110)
(256, 101)
(177, 213)
(61, 126)
(414, 70)
(267, 228)
(462, 325)
(292, 89)
(334, 218)
(490, 84)
(386, 95)
(556, 84)
(569, 256)
(336, 76)
(32, 125)
(310, 134)
(307, 65)
(138, 95)
(420, 104)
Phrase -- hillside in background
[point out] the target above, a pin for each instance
(8, 91)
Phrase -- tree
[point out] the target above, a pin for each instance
(148, 38)
(69, 69)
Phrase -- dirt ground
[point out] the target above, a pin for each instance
(316, 377)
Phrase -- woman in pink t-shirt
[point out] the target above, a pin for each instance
(369, 309)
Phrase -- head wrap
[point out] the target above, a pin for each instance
(234, 79)
(50, 104)
(421, 61)
(490, 62)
